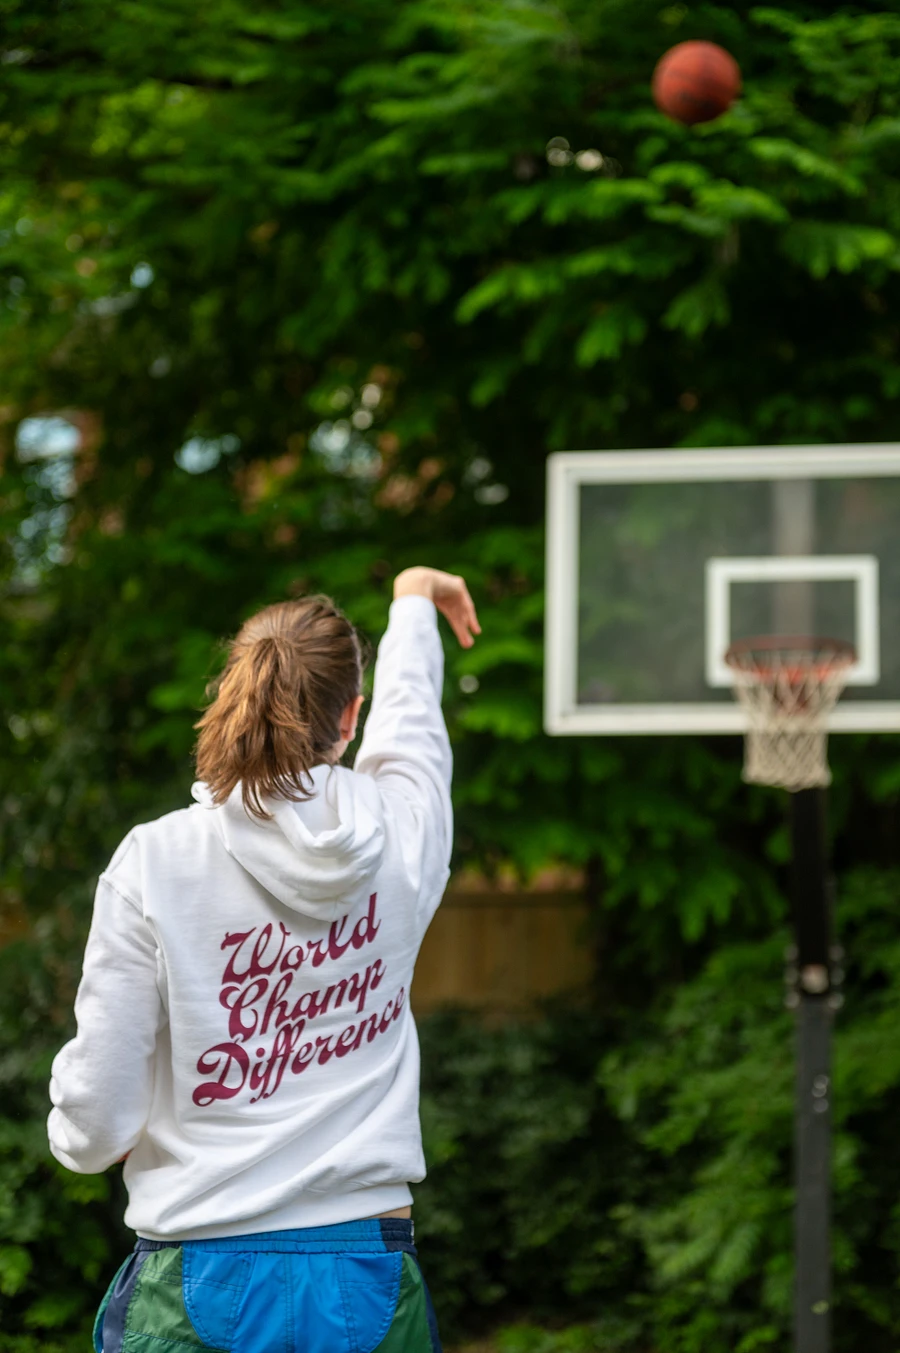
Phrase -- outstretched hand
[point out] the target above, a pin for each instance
(450, 595)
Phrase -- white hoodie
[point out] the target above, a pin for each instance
(243, 1014)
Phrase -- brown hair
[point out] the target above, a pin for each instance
(276, 707)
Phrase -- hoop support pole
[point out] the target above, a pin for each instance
(810, 888)
(812, 908)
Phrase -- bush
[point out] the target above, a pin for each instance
(637, 1185)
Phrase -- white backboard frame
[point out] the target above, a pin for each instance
(568, 470)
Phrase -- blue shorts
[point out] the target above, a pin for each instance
(352, 1288)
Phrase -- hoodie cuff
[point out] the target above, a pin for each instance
(413, 604)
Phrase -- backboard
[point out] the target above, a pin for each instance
(657, 560)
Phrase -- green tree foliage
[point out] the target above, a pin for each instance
(320, 286)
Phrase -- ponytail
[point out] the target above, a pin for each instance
(276, 707)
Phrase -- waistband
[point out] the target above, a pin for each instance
(378, 1235)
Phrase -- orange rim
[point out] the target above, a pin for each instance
(826, 656)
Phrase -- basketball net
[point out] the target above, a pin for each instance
(788, 687)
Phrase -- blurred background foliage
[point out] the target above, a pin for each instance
(294, 296)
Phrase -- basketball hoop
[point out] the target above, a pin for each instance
(788, 686)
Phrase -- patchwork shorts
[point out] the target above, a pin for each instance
(352, 1288)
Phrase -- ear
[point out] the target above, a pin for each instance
(349, 718)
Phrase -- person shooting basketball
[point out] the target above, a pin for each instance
(244, 1038)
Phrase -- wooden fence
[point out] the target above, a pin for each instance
(499, 948)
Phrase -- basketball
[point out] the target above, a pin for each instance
(696, 82)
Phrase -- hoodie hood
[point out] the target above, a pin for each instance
(319, 857)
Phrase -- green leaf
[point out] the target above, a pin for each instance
(696, 308)
(15, 1265)
(779, 150)
(680, 174)
(728, 202)
(196, 655)
(493, 381)
(823, 246)
(54, 1310)
(506, 716)
(691, 222)
(601, 200)
(464, 164)
(606, 336)
(524, 285)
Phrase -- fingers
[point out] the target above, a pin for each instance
(471, 617)
(460, 611)
(458, 623)
(451, 596)
(463, 627)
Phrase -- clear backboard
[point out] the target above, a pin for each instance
(657, 560)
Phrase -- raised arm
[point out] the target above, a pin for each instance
(405, 746)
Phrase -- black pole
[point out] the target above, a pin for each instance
(812, 979)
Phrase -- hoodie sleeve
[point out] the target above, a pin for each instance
(405, 746)
(101, 1082)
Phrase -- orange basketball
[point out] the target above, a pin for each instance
(695, 82)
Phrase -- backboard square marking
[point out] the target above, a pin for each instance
(861, 570)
